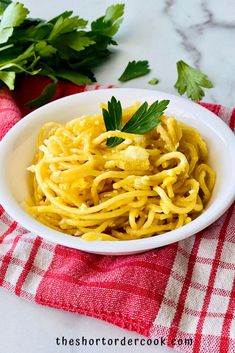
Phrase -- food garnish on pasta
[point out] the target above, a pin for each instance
(146, 175)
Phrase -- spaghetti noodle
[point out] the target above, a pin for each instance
(147, 185)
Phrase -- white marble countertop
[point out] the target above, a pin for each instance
(163, 32)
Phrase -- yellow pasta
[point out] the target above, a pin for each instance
(147, 185)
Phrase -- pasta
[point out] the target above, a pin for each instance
(147, 185)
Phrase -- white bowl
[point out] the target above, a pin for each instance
(18, 147)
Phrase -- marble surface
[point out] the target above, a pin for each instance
(163, 32)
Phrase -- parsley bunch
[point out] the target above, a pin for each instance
(58, 48)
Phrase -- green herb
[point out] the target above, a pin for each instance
(154, 81)
(59, 48)
(144, 119)
(190, 80)
(13, 16)
(135, 69)
(113, 120)
(108, 25)
(8, 77)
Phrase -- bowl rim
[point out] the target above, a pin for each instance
(125, 246)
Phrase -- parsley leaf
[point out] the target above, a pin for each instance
(63, 14)
(13, 16)
(78, 40)
(190, 80)
(5, 34)
(135, 69)
(113, 120)
(8, 77)
(144, 119)
(109, 24)
(66, 25)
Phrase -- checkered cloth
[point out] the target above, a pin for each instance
(182, 291)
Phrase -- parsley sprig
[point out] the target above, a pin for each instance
(143, 120)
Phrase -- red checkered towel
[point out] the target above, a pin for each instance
(181, 291)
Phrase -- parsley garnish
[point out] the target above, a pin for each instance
(59, 48)
(135, 69)
(190, 80)
(144, 119)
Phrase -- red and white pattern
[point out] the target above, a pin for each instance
(181, 291)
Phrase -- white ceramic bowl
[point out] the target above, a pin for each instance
(18, 147)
